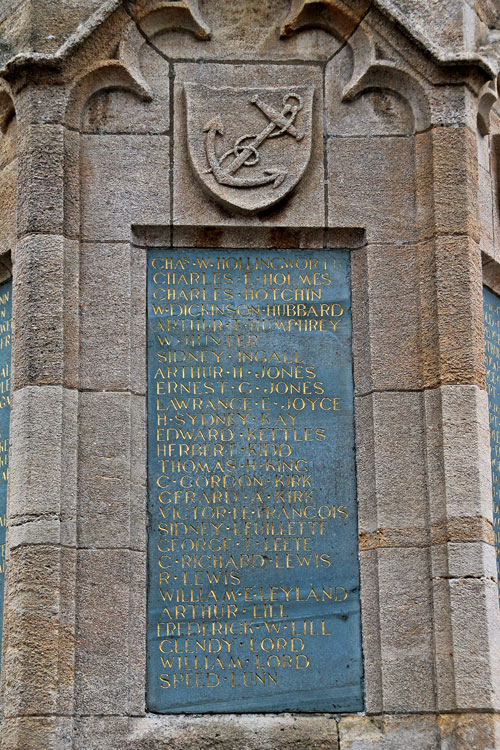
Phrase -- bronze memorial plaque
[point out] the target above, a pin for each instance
(5, 356)
(253, 588)
(491, 312)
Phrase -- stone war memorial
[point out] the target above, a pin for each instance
(249, 375)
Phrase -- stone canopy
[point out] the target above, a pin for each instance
(455, 31)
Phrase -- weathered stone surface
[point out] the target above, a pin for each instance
(44, 296)
(42, 486)
(467, 627)
(41, 97)
(33, 732)
(8, 197)
(370, 629)
(247, 31)
(458, 731)
(391, 483)
(451, 316)
(102, 672)
(8, 139)
(124, 180)
(257, 732)
(40, 179)
(483, 152)
(38, 531)
(109, 350)
(177, 15)
(39, 619)
(445, 732)
(406, 630)
(491, 274)
(14, 16)
(465, 731)
(442, 31)
(464, 560)
(365, 462)
(454, 162)
(389, 733)
(93, 732)
(137, 626)
(41, 28)
(385, 197)
(386, 332)
(423, 182)
(251, 236)
(112, 325)
(339, 18)
(111, 470)
(465, 598)
(494, 166)
(71, 184)
(454, 105)
(458, 455)
(485, 208)
(282, 155)
(443, 28)
(137, 320)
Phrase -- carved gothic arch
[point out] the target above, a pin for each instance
(384, 74)
(104, 76)
(337, 17)
(7, 107)
(154, 16)
(371, 71)
(488, 96)
(121, 74)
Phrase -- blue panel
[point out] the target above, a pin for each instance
(253, 573)
(492, 363)
(5, 352)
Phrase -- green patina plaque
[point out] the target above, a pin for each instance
(253, 590)
(491, 310)
(5, 356)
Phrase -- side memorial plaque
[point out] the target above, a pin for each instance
(5, 355)
(253, 574)
(491, 310)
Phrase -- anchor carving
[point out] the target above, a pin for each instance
(245, 151)
(249, 173)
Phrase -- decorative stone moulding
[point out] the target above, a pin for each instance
(333, 16)
(169, 14)
(105, 75)
(487, 98)
(7, 109)
(371, 70)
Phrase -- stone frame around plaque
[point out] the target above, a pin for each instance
(145, 239)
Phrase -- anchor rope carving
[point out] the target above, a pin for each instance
(246, 148)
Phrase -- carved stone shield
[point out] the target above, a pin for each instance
(249, 147)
